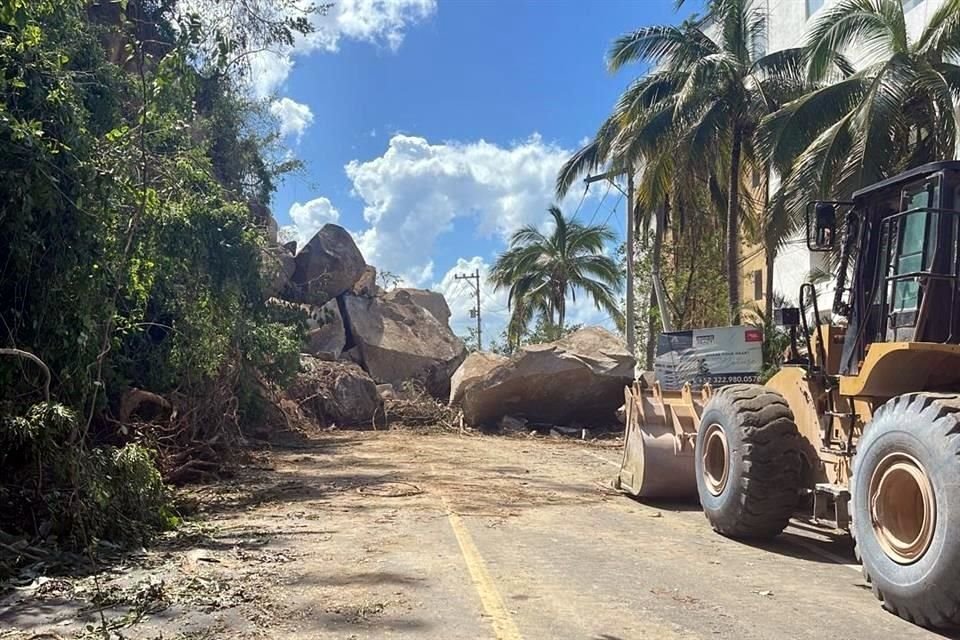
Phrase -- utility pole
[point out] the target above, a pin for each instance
(631, 308)
(474, 279)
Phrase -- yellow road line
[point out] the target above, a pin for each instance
(504, 627)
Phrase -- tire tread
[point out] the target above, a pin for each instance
(769, 487)
(941, 413)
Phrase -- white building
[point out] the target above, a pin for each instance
(786, 27)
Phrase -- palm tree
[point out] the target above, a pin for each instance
(541, 270)
(701, 104)
(896, 111)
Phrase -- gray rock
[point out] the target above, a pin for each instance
(277, 266)
(477, 365)
(580, 377)
(512, 424)
(432, 301)
(367, 284)
(400, 341)
(327, 266)
(339, 393)
(326, 336)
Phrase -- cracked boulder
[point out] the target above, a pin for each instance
(579, 378)
(398, 340)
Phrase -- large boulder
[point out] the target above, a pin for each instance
(277, 266)
(339, 393)
(432, 301)
(397, 341)
(326, 336)
(578, 378)
(476, 366)
(327, 266)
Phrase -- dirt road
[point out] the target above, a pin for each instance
(395, 535)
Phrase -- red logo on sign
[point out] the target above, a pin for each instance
(753, 335)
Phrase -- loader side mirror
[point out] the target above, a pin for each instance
(822, 228)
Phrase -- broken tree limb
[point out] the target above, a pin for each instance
(26, 355)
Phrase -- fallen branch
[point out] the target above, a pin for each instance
(20, 353)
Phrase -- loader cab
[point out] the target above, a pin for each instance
(898, 270)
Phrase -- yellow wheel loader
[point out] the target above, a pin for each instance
(862, 431)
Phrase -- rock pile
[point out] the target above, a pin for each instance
(353, 327)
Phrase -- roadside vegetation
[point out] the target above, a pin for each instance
(135, 172)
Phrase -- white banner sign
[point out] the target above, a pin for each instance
(720, 356)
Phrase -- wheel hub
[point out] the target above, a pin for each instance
(715, 459)
(903, 510)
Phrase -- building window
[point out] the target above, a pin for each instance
(910, 4)
(814, 5)
(757, 284)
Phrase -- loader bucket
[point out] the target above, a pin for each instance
(658, 451)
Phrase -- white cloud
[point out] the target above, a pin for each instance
(308, 218)
(268, 72)
(294, 117)
(382, 23)
(416, 189)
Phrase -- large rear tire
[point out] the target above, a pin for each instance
(906, 507)
(748, 462)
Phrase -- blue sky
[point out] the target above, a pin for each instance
(432, 130)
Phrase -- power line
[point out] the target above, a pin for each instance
(600, 204)
(586, 188)
(474, 280)
(612, 211)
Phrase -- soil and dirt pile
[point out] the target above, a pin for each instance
(577, 378)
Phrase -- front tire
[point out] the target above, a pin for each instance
(748, 462)
(906, 507)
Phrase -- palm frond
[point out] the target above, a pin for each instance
(940, 39)
(658, 44)
(864, 22)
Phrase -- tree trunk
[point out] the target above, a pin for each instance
(652, 329)
(771, 251)
(733, 228)
(562, 305)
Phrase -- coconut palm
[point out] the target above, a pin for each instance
(542, 269)
(708, 90)
(898, 109)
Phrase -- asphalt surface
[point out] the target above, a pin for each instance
(395, 535)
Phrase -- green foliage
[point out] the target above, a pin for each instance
(687, 126)
(776, 340)
(54, 488)
(858, 126)
(134, 179)
(542, 270)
